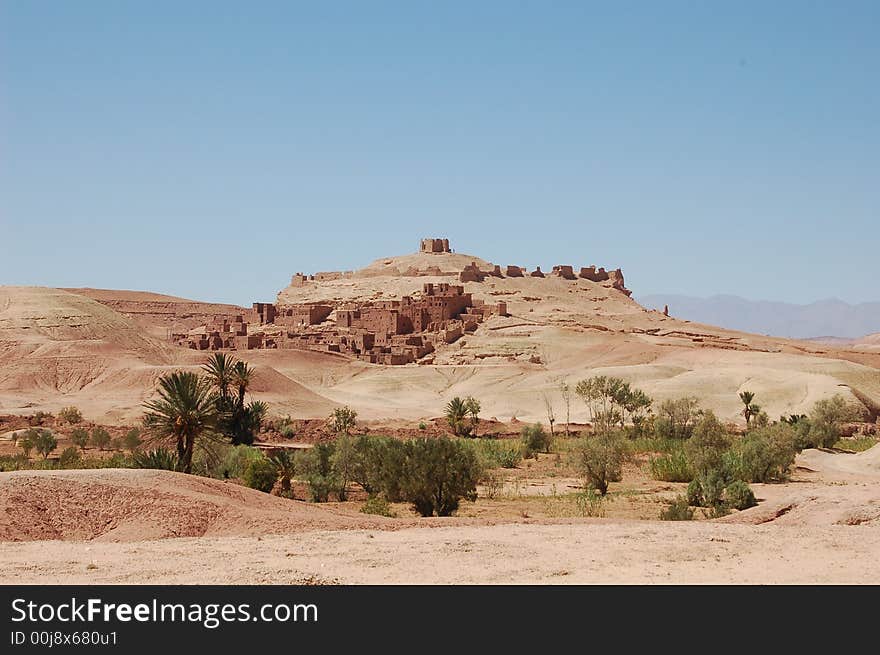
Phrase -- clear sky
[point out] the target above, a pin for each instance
(212, 149)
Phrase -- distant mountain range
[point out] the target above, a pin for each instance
(823, 318)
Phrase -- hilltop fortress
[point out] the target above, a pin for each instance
(403, 330)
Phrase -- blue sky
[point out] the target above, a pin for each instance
(211, 149)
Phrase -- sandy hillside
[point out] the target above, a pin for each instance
(139, 505)
(813, 541)
(103, 351)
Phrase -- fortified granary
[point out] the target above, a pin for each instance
(380, 332)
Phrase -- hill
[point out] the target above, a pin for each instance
(831, 317)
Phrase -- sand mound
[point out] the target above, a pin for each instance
(137, 505)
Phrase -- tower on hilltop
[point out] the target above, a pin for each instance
(434, 245)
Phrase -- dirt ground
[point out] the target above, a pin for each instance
(823, 527)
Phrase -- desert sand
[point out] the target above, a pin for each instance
(821, 529)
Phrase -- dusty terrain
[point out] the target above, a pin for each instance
(102, 351)
(822, 528)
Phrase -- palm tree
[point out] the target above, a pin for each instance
(242, 376)
(185, 412)
(472, 405)
(750, 410)
(219, 370)
(285, 466)
(456, 412)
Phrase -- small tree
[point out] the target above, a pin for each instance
(285, 468)
(437, 474)
(100, 438)
(749, 409)
(342, 420)
(44, 442)
(601, 458)
(565, 392)
(344, 462)
(472, 405)
(316, 464)
(132, 440)
(826, 420)
(70, 415)
(80, 437)
(551, 414)
(26, 443)
(534, 440)
(456, 414)
(675, 418)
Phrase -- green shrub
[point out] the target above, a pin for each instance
(826, 419)
(284, 462)
(379, 506)
(738, 495)
(423, 426)
(706, 447)
(678, 510)
(378, 466)
(100, 438)
(43, 440)
(80, 437)
(601, 459)
(233, 461)
(158, 458)
(260, 474)
(132, 440)
(765, 454)
(342, 420)
(288, 432)
(675, 419)
(317, 466)
(437, 474)
(534, 440)
(673, 467)
(694, 494)
(495, 453)
(70, 457)
(70, 415)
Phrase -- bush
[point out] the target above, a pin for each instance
(601, 459)
(495, 453)
(70, 415)
(694, 494)
(677, 510)
(708, 443)
(288, 432)
(673, 467)
(158, 458)
(378, 506)
(100, 438)
(80, 437)
(534, 440)
(378, 465)
(317, 466)
(765, 454)
(342, 420)
(260, 474)
(738, 495)
(234, 461)
(437, 474)
(132, 440)
(26, 442)
(44, 441)
(826, 419)
(70, 457)
(676, 418)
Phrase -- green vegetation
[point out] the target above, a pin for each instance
(80, 437)
(185, 413)
(601, 459)
(678, 510)
(437, 474)
(463, 415)
(44, 441)
(343, 420)
(132, 440)
(612, 402)
(672, 467)
(70, 415)
(69, 457)
(100, 438)
(379, 506)
(534, 440)
(261, 474)
(158, 458)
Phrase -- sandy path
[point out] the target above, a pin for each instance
(590, 552)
